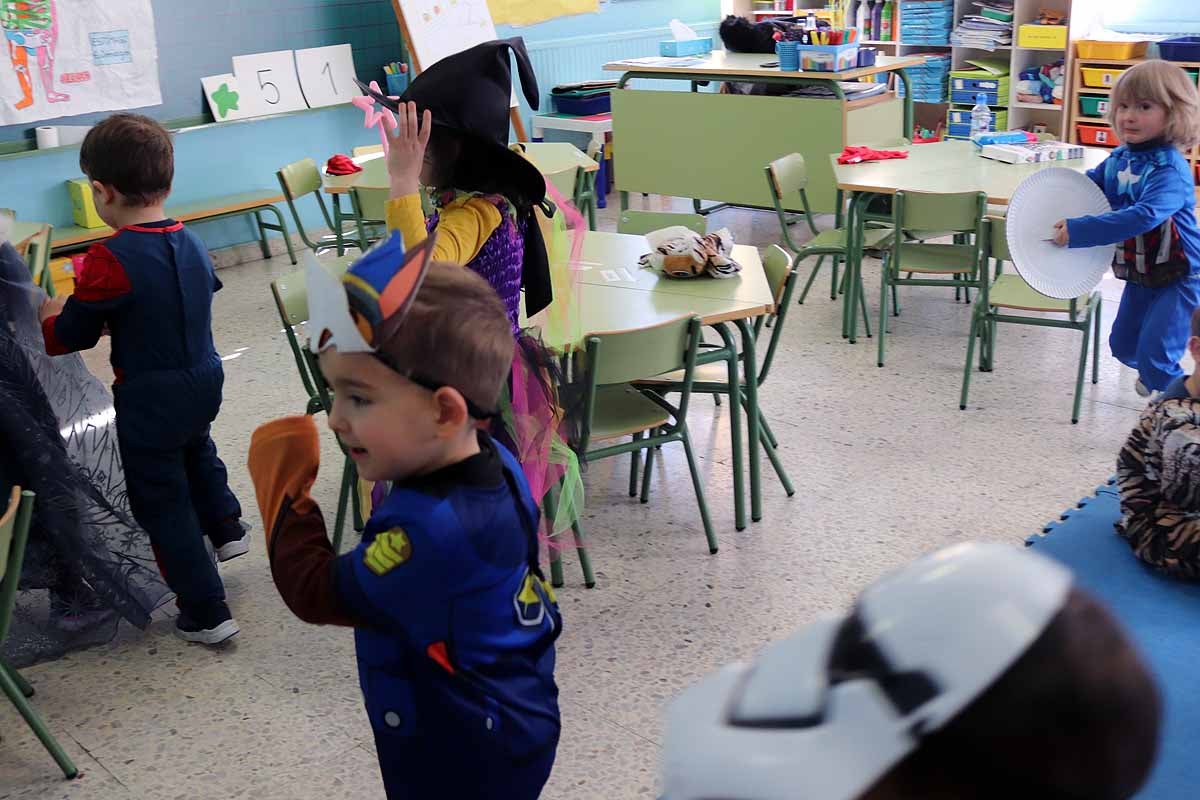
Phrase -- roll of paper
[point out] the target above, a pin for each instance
(47, 136)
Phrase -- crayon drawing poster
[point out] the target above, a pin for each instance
(59, 58)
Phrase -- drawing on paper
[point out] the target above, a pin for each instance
(31, 30)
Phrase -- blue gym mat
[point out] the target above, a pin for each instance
(1162, 615)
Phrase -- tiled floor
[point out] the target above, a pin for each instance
(885, 464)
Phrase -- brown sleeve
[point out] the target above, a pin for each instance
(283, 460)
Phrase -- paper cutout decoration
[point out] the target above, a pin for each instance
(267, 83)
(363, 309)
(224, 99)
(376, 107)
(326, 75)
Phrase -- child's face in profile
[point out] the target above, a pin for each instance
(389, 424)
(1140, 121)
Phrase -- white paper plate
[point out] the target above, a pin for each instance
(1041, 200)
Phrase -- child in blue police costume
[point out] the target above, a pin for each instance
(454, 622)
(151, 286)
(1155, 111)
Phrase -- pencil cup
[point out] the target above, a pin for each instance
(789, 56)
(397, 84)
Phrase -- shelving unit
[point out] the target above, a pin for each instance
(1081, 91)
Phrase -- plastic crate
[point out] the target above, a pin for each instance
(976, 84)
(1111, 51)
(1092, 106)
(962, 116)
(1101, 135)
(1181, 48)
(673, 48)
(968, 98)
(583, 106)
(1101, 77)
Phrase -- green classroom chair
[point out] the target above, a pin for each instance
(14, 533)
(714, 370)
(956, 265)
(291, 300)
(37, 256)
(301, 179)
(370, 214)
(639, 223)
(787, 179)
(1009, 292)
(615, 408)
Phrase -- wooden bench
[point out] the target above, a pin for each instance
(234, 205)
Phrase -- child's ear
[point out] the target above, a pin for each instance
(452, 412)
(104, 192)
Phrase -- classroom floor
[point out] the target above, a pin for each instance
(886, 466)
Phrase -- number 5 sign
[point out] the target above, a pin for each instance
(327, 75)
(268, 83)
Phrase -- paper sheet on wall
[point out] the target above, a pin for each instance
(66, 57)
(527, 12)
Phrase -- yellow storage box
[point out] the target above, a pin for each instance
(1110, 51)
(1049, 36)
(1101, 77)
(82, 204)
(62, 272)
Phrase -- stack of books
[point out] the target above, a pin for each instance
(1031, 153)
(929, 81)
(926, 21)
(992, 27)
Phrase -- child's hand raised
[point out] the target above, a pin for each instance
(51, 307)
(1062, 237)
(406, 150)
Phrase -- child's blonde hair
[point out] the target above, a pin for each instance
(1167, 85)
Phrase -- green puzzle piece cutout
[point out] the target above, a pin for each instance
(226, 100)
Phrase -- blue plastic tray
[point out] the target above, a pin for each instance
(1181, 48)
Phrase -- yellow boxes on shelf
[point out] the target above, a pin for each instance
(1101, 77)
(83, 205)
(62, 272)
(1048, 36)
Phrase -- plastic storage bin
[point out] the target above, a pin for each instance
(1111, 51)
(828, 57)
(583, 105)
(689, 47)
(1092, 106)
(1101, 77)
(962, 116)
(1049, 36)
(1097, 135)
(1181, 48)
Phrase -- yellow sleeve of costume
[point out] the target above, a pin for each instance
(463, 227)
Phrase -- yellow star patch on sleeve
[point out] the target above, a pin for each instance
(389, 550)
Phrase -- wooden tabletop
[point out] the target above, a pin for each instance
(950, 166)
(724, 64)
(549, 157)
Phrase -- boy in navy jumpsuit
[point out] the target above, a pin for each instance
(454, 623)
(151, 286)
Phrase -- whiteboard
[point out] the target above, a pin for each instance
(439, 28)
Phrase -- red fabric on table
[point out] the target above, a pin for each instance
(859, 155)
(341, 165)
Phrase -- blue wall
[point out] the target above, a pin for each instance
(236, 157)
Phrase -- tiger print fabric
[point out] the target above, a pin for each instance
(1158, 474)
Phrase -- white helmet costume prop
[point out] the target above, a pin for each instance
(825, 714)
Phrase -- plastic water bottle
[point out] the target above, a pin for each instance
(981, 116)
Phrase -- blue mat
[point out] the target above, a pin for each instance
(1162, 615)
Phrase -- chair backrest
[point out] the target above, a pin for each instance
(566, 182)
(291, 300)
(37, 256)
(366, 150)
(639, 223)
(959, 212)
(371, 203)
(14, 532)
(998, 239)
(782, 276)
(788, 175)
(300, 178)
(626, 356)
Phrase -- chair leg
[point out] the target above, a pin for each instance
(771, 440)
(283, 231)
(1083, 362)
(895, 301)
(22, 684)
(862, 301)
(773, 455)
(833, 280)
(339, 522)
(717, 400)
(635, 459)
(262, 235)
(585, 561)
(811, 278)
(17, 696)
(1096, 342)
(883, 296)
(698, 485)
(976, 322)
(358, 520)
(647, 471)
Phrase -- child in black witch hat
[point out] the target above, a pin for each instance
(483, 193)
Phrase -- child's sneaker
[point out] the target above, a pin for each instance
(230, 540)
(217, 628)
(1141, 389)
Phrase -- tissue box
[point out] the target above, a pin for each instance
(685, 47)
(83, 205)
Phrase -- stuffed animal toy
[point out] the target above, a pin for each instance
(682, 253)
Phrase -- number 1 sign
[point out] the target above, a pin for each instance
(327, 75)
(268, 84)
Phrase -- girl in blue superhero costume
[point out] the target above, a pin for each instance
(1155, 111)
(454, 623)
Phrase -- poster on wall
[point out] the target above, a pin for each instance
(527, 12)
(66, 57)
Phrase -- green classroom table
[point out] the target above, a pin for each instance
(711, 146)
(939, 167)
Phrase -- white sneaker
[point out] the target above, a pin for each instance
(191, 631)
(238, 547)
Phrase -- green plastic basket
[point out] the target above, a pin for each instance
(1092, 106)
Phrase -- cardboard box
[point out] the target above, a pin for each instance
(1049, 36)
(62, 273)
(83, 205)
